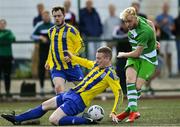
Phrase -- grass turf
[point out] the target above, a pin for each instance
(154, 112)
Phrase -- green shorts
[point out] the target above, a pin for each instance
(143, 68)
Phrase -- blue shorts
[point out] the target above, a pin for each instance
(73, 74)
(70, 102)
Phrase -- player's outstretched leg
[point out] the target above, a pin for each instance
(131, 110)
(31, 114)
(10, 118)
(133, 116)
(75, 120)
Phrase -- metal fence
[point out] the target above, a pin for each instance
(87, 40)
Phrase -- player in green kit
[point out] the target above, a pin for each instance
(142, 60)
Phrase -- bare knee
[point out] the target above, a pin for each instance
(59, 84)
(44, 105)
(56, 116)
(130, 75)
(53, 120)
(49, 104)
(59, 88)
(130, 79)
(138, 86)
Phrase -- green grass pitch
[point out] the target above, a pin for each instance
(154, 112)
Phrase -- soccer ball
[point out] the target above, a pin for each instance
(96, 112)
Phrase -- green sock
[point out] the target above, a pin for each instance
(127, 109)
(132, 97)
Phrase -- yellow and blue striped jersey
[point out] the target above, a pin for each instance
(96, 81)
(63, 38)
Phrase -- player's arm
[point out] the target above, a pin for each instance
(151, 24)
(113, 82)
(142, 38)
(35, 35)
(49, 58)
(82, 61)
(134, 54)
(78, 42)
(154, 29)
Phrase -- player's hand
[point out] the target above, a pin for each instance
(121, 55)
(47, 67)
(68, 53)
(67, 59)
(158, 45)
(113, 117)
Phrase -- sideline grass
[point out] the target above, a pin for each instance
(154, 112)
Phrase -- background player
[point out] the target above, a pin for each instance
(63, 37)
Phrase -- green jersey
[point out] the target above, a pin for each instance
(143, 35)
(6, 39)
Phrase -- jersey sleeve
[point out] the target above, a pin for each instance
(114, 84)
(36, 35)
(77, 40)
(49, 33)
(83, 62)
(49, 58)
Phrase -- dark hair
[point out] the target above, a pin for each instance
(106, 51)
(57, 9)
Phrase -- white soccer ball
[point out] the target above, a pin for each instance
(96, 112)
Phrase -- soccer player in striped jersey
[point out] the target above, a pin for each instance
(142, 60)
(75, 100)
(63, 37)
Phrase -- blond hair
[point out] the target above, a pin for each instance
(106, 51)
(126, 12)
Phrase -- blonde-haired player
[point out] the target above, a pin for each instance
(142, 60)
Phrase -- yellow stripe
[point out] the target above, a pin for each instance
(90, 73)
(61, 48)
(54, 56)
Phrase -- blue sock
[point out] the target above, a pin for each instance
(30, 114)
(72, 120)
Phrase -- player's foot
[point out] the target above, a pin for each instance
(90, 120)
(133, 116)
(122, 116)
(10, 118)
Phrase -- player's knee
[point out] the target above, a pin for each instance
(44, 105)
(59, 88)
(138, 87)
(53, 120)
(130, 79)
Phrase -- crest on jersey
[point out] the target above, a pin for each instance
(64, 35)
(133, 33)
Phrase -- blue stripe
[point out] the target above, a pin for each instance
(56, 48)
(111, 75)
(95, 65)
(64, 42)
(73, 31)
(85, 80)
(51, 30)
(96, 81)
